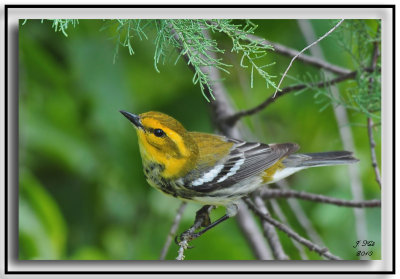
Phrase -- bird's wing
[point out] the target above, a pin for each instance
(244, 160)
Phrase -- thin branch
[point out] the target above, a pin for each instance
(373, 153)
(183, 245)
(304, 49)
(281, 216)
(301, 216)
(370, 123)
(284, 50)
(311, 60)
(235, 117)
(270, 232)
(292, 234)
(187, 236)
(173, 230)
(252, 234)
(280, 193)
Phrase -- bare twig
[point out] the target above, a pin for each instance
(304, 49)
(370, 123)
(280, 193)
(311, 60)
(281, 216)
(372, 144)
(292, 234)
(173, 230)
(235, 117)
(301, 215)
(270, 232)
(183, 245)
(252, 233)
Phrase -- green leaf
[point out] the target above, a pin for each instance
(42, 229)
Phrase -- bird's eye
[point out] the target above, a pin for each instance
(159, 132)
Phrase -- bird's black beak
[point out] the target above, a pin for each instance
(135, 119)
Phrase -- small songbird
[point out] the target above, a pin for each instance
(212, 169)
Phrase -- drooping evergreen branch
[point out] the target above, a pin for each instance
(287, 51)
(307, 59)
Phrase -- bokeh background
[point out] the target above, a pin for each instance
(82, 193)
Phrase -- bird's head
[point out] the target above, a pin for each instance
(163, 140)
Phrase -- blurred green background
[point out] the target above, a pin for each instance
(82, 193)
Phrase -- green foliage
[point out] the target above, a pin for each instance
(42, 229)
(251, 49)
(61, 25)
(83, 195)
(189, 37)
(357, 38)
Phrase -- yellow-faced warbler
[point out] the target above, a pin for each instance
(212, 169)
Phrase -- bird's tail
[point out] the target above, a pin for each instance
(320, 159)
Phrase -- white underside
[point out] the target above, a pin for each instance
(281, 174)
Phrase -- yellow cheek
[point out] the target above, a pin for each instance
(172, 166)
(144, 146)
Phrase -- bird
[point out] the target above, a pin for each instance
(215, 170)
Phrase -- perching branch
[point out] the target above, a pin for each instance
(173, 230)
(292, 234)
(304, 49)
(280, 193)
(202, 217)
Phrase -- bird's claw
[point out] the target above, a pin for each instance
(186, 236)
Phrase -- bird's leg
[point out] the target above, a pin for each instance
(203, 220)
(203, 215)
(212, 225)
(231, 210)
